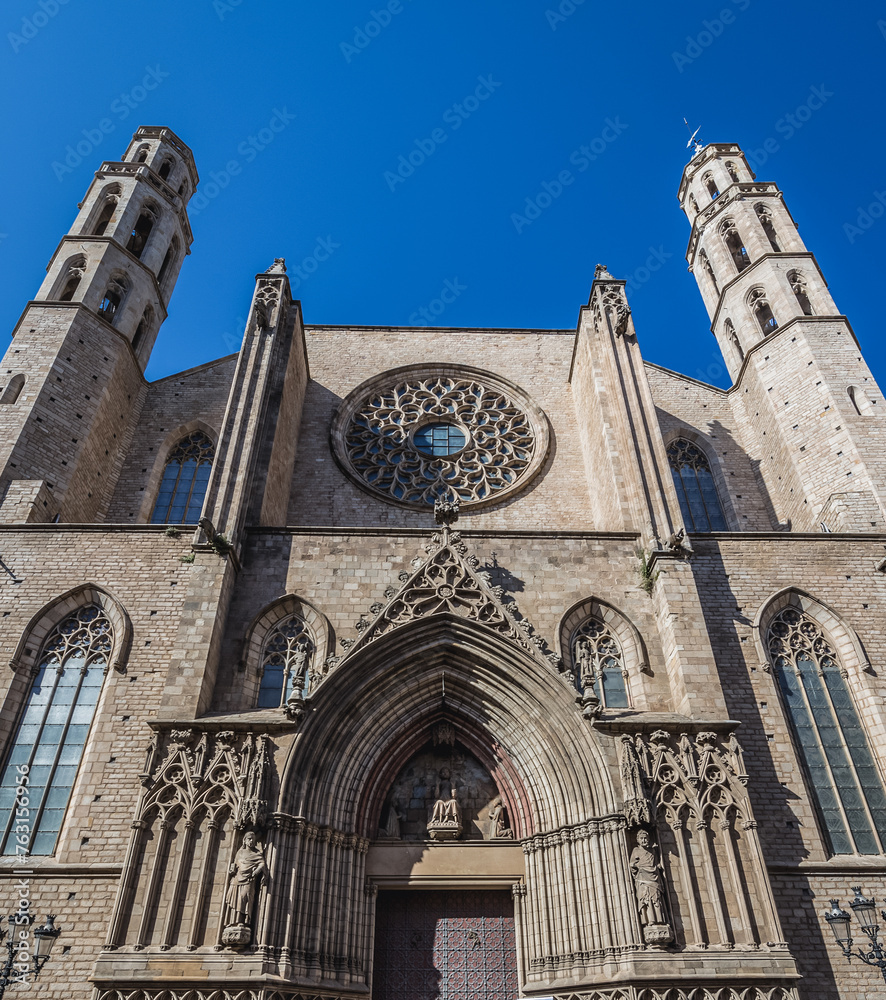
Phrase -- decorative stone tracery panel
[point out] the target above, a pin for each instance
(422, 433)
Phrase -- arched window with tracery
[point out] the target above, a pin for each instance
(699, 503)
(286, 658)
(759, 306)
(185, 478)
(797, 281)
(599, 664)
(845, 781)
(711, 185)
(709, 271)
(71, 277)
(141, 231)
(735, 245)
(732, 171)
(732, 337)
(765, 217)
(47, 747)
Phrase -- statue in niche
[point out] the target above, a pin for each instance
(501, 829)
(584, 654)
(392, 823)
(647, 872)
(248, 872)
(300, 667)
(445, 822)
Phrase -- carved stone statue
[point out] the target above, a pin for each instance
(247, 872)
(501, 829)
(647, 871)
(392, 822)
(299, 666)
(445, 822)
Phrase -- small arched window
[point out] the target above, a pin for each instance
(143, 327)
(734, 245)
(709, 271)
(830, 738)
(798, 287)
(13, 389)
(110, 304)
(165, 169)
(699, 503)
(74, 272)
(141, 154)
(183, 487)
(860, 400)
(693, 204)
(138, 238)
(286, 659)
(105, 215)
(760, 307)
(49, 741)
(170, 256)
(598, 663)
(765, 217)
(711, 185)
(732, 171)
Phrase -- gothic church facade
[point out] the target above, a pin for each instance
(342, 668)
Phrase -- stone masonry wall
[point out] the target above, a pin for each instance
(173, 407)
(340, 359)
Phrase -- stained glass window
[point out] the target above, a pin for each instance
(185, 478)
(439, 439)
(845, 781)
(45, 754)
(285, 662)
(598, 662)
(699, 503)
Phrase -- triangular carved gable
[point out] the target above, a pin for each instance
(449, 582)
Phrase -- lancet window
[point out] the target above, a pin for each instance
(699, 503)
(798, 287)
(170, 256)
(13, 389)
(45, 754)
(105, 215)
(732, 337)
(845, 781)
(286, 658)
(599, 664)
(185, 478)
(113, 296)
(74, 271)
(711, 185)
(762, 310)
(765, 217)
(734, 245)
(709, 271)
(138, 239)
(731, 170)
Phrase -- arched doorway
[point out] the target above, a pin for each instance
(537, 807)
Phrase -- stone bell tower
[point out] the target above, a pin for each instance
(74, 371)
(815, 416)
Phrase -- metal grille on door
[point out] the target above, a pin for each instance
(452, 945)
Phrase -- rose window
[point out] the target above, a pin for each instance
(418, 434)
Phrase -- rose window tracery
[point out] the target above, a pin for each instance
(454, 434)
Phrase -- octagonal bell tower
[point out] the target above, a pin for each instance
(73, 375)
(816, 418)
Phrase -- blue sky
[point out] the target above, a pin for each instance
(493, 99)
